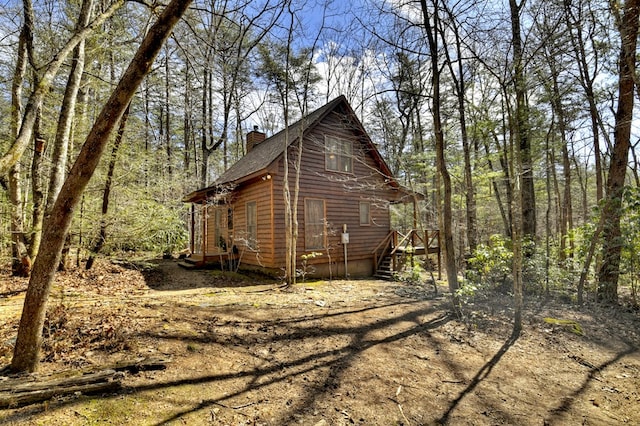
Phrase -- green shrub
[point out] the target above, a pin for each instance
(490, 266)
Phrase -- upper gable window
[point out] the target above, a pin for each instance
(338, 155)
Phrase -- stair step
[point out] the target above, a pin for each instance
(384, 275)
(188, 265)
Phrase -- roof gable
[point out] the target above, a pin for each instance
(264, 154)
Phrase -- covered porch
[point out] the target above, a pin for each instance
(212, 234)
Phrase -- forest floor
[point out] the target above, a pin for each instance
(242, 350)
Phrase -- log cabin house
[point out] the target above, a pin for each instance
(345, 193)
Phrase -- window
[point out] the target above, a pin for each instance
(314, 229)
(365, 213)
(338, 155)
(230, 219)
(220, 232)
(252, 225)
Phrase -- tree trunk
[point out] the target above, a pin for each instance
(21, 262)
(290, 264)
(67, 112)
(65, 123)
(527, 190)
(37, 192)
(147, 133)
(206, 127)
(187, 137)
(460, 88)
(517, 236)
(547, 218)
(587, 83)
(557, 202)
(167, 115)
(506, 218)
(636, 166)
(523, 204)
(102, 235)
(441, 165)
(29, 340)
(583, 181)
(612, 239)
(588, 258)
(565, 202)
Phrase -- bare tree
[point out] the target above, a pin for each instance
(14, 153)
(581, 20)
(293, 75)
(522, 124)
(67, 111)
(21, 264)
(523, 204)
(459, 85)
(102, 234)
(230, 37)
(29, 340)
(446, 215)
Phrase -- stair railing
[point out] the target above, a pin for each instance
(385, 247)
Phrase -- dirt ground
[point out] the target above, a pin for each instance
(243, 351)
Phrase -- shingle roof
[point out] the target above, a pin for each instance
(268, 151)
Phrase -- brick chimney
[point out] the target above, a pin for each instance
(254, 137)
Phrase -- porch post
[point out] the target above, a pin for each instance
(415, 213)
(203, 243)
(192, 229)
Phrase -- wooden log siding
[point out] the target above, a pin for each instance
(260, 191)
(342, 193)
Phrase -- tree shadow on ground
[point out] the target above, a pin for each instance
(482, 374)
(334, 361)
(332, 365)
(556, 414)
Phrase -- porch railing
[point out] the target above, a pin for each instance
(397, 245)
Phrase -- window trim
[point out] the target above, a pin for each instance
(221, 230)
(368, 204)
(252, 240)
(309, 240)
(340, 153)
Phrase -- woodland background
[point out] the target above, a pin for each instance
(515, 119)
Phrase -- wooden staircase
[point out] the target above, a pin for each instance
(391, 254)
(385, 270)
